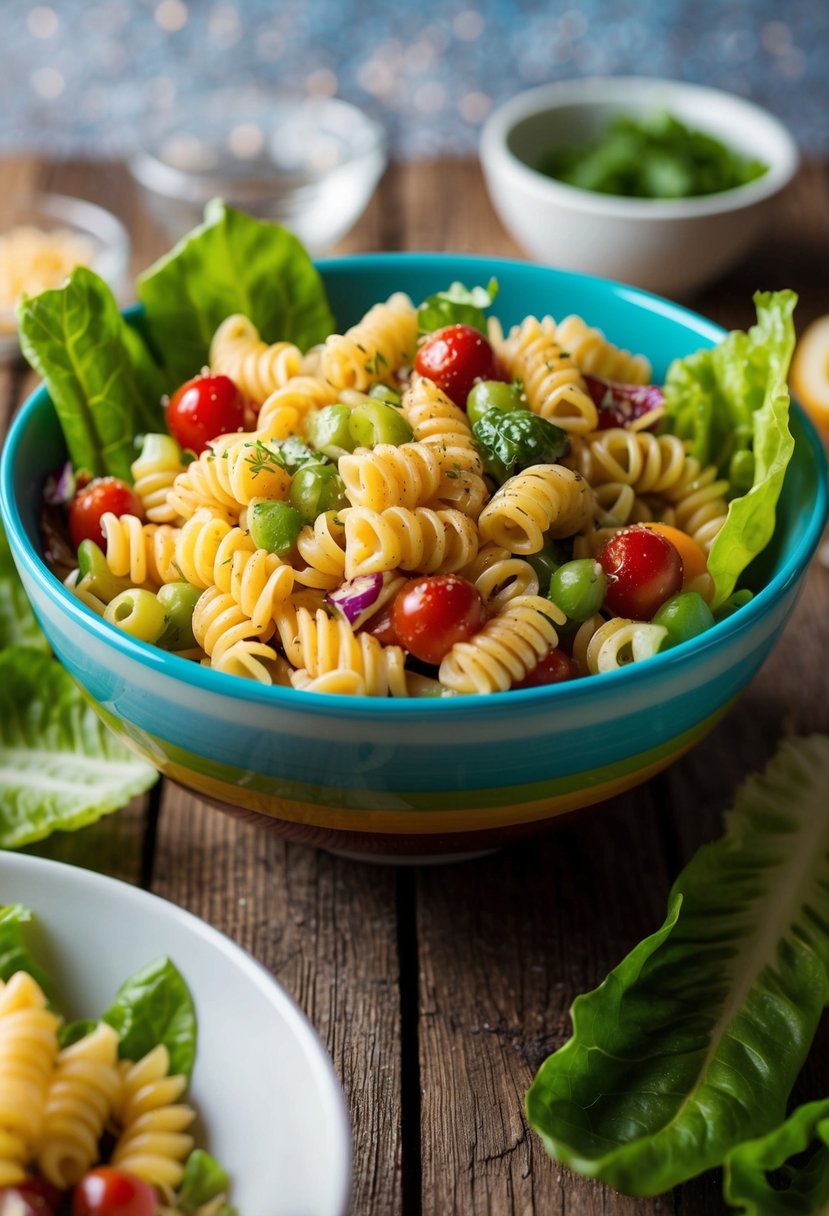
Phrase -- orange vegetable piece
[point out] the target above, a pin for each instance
(809, 376)
(694, 559)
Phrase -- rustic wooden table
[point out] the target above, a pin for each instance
(438, 992)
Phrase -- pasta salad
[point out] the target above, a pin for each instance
(94, 1117)
(427, 503)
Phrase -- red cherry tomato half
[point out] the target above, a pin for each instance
(455, 357)
(555, 667)
(107, 1191)
(643, 568)
(380, 626)
(203, 408)
(33, 1197)
(94, 500)
(431, 614)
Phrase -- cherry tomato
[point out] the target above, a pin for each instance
(107, 1191)
(34, 1197)
(94, 500)
(455, 358)
(431, 613)
(643, 569)
(380, 626)
(555, 667)
(203, 408)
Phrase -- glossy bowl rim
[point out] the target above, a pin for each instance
(297, 701)
(591, 92)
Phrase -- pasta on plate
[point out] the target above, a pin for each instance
(362, 476)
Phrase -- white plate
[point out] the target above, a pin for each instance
(270, 1105)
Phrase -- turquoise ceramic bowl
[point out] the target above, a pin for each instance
(414, 778)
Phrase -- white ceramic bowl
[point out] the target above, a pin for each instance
(270, 1107)
(670, 246)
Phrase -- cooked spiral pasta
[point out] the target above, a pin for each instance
(374, 348)
(154, 472)
(322, 550)
(545, 499)
(438, 422)
(84, 1091)
(423, 540)
(601, 645)
(255, 367)
(28, 1048)
(388, 476)
(507, 649)
(284, 411)
(211, 552)
(320, 646)
(552, 380)
(592, 353)
(231, 640)
(154, 1141)
(144, 553)
(500, 577)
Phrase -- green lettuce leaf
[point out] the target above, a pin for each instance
(60, 767)
(231, 263)
(458, 305)
(692, 1044)
(17, 621)
(203, 1181)
(155, 1006)
(786, 1172)
(15, 954)
(95, 371)
(732, 403)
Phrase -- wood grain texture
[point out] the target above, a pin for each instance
(439, 991)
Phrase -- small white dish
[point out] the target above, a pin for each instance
(270, 1106)
(310, 163)
(669, 246)
(98, 231)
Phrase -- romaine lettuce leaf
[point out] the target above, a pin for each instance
(231, 263)
(155, 1006)
(15, 955)
(97, 374)
(692, 1044)
(60, 767)
(796, 1154)
(458, 305)
(17, 621)
(732, 403)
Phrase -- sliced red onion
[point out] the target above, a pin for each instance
(59, 488)
(621, 404)
(357, 599)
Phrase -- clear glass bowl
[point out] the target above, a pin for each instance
(102, 235)
(309, 163)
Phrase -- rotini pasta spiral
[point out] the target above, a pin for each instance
(422, 540)
(592, 353)
(144, 553)
(388, 476)
(154, 1140)
(374, 348)
(439, 423)
(231, 640)
(28, 1048)
(552, 381)
(284, 411)
(322, 550)
(84, 1091)
(320, 646)
(601, 645)
(545, 499)
(499, 577)
(508, 647)
(256, 368)
(154, 472)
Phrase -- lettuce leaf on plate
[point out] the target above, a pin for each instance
(786, 1172)
(102, 382)
(692, 1044)
(231, 263)
(60, 767)
(155, 1006)
(203, 1182)
(731, 402)
(15, 955)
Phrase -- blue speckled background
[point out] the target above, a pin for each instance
(81, 75)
